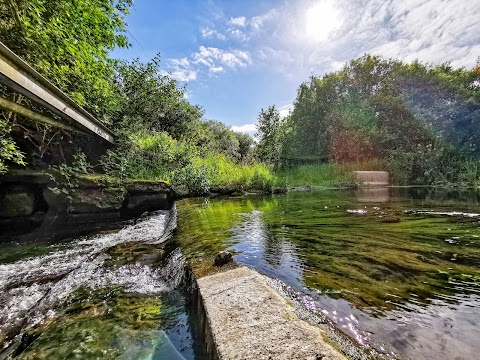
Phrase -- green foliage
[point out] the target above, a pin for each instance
(245, 147)
(214, 136)
(9, 152)
(326, 175)
(160, 135)
(149, 101)
(71, 172)
(191, 179)
(224, 173)
(424, 121)
(68, 42)
(148, 156)
(270, 131)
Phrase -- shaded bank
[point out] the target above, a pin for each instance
(46, 206)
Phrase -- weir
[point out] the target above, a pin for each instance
(373, 178)
(231, 314)
(250, 320)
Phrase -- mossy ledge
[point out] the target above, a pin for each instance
(46, 205)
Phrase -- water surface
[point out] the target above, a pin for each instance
(109, 296)
(396, 270)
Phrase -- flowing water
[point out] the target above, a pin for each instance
(110, 296)
(397, 271)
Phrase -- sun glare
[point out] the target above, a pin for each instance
(321, 20)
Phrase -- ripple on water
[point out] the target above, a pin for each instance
(390, 276)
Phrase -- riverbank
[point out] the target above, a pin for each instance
(45, 205)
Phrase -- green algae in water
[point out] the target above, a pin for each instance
(398, 259)
(383, 250)
(109, 324)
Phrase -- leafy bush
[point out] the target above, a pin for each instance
(154, 156)
(191, 179)
(9, 152)
(228, 174)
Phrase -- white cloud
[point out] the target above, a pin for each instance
(250, 129)
(433, 31)
(237, 34)
(180, 62)
(285, 110)
(209, 33)
(239, 21)
(337, 65)
(183, 75)
(214, 57)
(216, 69)
(180, 70)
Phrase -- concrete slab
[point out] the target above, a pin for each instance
(373, 178)
(250, 320)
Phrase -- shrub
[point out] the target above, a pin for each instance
(191, 179)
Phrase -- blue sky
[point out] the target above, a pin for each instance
(237, 57)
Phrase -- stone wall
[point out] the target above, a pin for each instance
(35, 206)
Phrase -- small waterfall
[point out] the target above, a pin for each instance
(31, 289)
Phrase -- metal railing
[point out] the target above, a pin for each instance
(23, 79)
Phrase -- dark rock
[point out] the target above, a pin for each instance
(137, 205)
(96, 200)
(222, 258)
(39, 205)
(90, 218)
(28, 177)
(222, 190)
(56, 199)
(17, 200)
(21, 225)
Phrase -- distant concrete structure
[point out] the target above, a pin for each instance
(23, 79)
(373, 178)
(249, 320)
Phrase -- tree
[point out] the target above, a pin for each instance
(69, 43)
(270, 130)
(245, 144)
(426, 116)
(149, 100)
(215, 137)
(9, 151)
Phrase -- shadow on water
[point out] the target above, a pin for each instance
(398, 270)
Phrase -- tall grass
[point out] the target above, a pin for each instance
(327, 175)
(224, 173)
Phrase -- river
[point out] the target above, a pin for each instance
(394, 271)
(397, 270)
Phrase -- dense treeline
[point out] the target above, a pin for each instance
(159, 134)
(422, 122)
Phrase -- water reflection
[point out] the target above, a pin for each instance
(275, 255)
(398, 272)
(373, 195)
